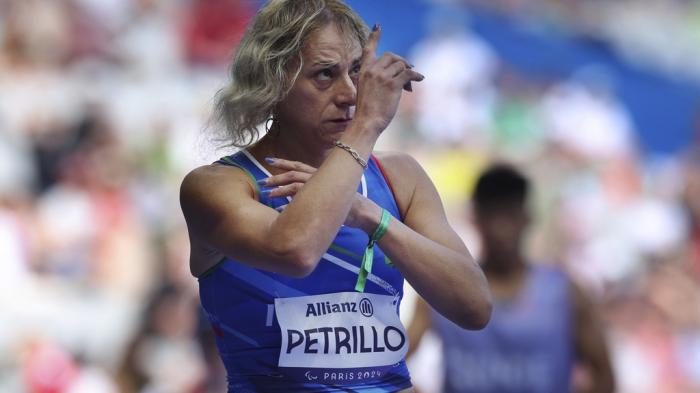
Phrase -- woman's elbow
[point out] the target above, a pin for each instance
(303, 266)
(483, 317)
(297, 260)
(477, 315)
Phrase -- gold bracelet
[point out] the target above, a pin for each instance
(352, 152)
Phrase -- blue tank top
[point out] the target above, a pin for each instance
(281, 334)
(527, 347)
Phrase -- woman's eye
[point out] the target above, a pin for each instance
(325, 73)
(355, 70)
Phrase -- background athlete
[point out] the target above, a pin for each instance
(542, 323)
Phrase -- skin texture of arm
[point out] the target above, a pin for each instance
(423, 247)
(223, 214)
(428, 252)
(589, 341)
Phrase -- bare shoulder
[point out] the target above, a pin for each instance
(405, 175)
(398, 163)
(208, 180)
(215, 173)
(207, 192)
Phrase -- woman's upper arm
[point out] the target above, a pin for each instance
(418, 200)
(221, 210)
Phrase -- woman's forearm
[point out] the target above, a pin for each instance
(307, 226)
(450, 281)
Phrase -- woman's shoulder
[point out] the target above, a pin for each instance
(399, 165)
(396, 160)
(213, 175)
(209, 181)
(404, 174)
(401, 168)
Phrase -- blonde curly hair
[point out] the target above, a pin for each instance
(268, 61)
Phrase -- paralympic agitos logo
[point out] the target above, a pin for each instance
(323, 308)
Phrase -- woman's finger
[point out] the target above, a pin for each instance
(370, 49)
(388, 59)
(407, 76)
(396, 68)
(395, 64)
(283, 191)
(285, 178)
(290, 165)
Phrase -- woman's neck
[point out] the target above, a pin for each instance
(289, 148)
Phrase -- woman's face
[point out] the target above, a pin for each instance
(321, 102)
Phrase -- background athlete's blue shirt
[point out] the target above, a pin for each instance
(239, 302)
(527, 347)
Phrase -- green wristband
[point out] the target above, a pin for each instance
(368, 257)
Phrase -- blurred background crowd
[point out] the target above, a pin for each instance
(104, 106)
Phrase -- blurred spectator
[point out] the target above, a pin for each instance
(37, 32)
(211, 27)
(518, 121)
(164, 356)
(48, 369)
(454, 104)
(147, 44)
(691, 200)
(586, 119)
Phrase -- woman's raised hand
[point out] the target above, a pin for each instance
(287, 183)
(380, 84)
(297, 173)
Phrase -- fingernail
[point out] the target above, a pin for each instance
(375, 27)
(269, 160)
(262, 182)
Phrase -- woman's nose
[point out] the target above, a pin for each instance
(346, 94)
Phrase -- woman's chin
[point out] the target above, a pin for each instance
(333, 134)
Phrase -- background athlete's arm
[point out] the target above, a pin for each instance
(419, 324)
(590, 345)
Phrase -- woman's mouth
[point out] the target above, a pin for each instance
(342, 120)
(341, 123)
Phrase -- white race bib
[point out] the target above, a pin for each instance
(340, 330)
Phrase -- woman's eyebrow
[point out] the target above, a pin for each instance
(328, 62)
(323, 57)
(324, 62)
